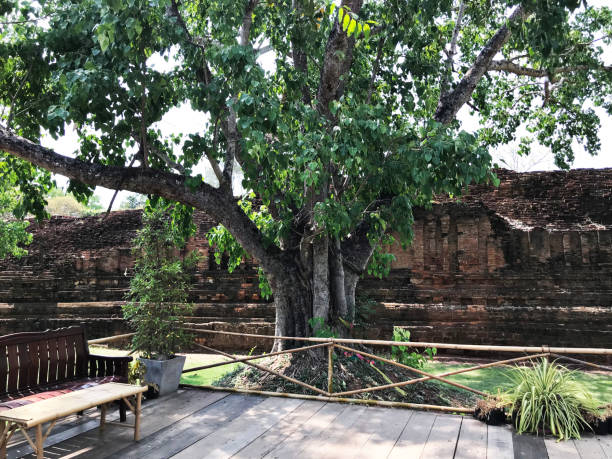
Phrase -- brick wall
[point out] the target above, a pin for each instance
(529, 262)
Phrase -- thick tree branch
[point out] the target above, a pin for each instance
(450, 55)
(160, 154)
(357, 249)
(173, 11)
(300, 60)
(335, 63)
(214, 201)
(511, 67)
(230, 129)
(452, 101)
(247, 21)
(264, 49)
(375, 68)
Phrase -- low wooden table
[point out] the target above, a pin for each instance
(52, 409)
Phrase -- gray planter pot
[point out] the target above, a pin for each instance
(163, 375)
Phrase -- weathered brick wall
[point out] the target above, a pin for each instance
(529, 262)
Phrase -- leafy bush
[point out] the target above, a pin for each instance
(407, 356)
(547, 397)
(320, 328)
(159, 289)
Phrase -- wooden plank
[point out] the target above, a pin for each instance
(560, 449)
(178, 436)
(71, 360)
(589, 447)
(62, 358)
(499, 442)
(361, 431)
(472, 441)
(81, 356)
(234, 436)
(414, 436)
(13, 365)
(606, 444)
(156, 415)
(335, 440)
(34, 369)
(3, 369)
(65, 429)
(52, 346)
(528, 446)
(442, 439)
(24, 364)
(381, 428)
(287, 426)
(43, 355)
(310, 429)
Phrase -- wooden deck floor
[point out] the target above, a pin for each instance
(198, 424)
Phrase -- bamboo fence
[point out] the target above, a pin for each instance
(341, 343)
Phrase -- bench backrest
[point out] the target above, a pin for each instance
(32, 359)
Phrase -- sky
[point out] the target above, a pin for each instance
(186, 121)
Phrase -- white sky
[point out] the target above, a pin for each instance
(184, 120)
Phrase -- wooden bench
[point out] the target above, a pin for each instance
(39, 365)
(50, 410)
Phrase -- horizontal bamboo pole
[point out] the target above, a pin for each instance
(268, 370)
(416, 406)
(254, 357)
(442, 375)
(465, 347)
(108, 339)
(415, 370)
(582, 362)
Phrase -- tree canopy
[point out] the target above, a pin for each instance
(342, 116)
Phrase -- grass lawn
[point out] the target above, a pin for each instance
(497, 378)
(490, 380)
(197, 378)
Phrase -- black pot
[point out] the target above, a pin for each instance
(600, 426)
(493, 417)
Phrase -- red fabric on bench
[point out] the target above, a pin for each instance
(25, 398)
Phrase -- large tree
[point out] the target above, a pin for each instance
(341, 116)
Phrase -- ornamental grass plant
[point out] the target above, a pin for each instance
(547, 399)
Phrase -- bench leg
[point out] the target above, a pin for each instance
(122, 411)
(3, 439)
(39, 442)
(102, 416)
(137, 417)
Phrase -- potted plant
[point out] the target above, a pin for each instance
(157, 300)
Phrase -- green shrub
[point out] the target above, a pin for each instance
(547, 397)
(405, 355)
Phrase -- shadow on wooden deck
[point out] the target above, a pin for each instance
(197, 424)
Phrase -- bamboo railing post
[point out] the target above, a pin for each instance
(330, 367)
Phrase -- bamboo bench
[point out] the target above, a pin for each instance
(36, 366)
(50, 410)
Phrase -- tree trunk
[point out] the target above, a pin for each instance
(293, 304)
(316, 283)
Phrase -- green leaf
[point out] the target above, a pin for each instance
(346, 21)
(351, 27)
(340, 14)
(366, 31)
